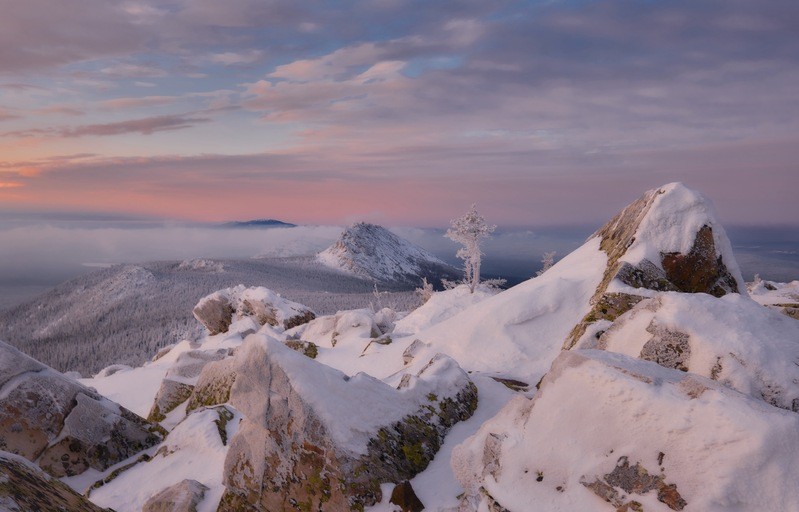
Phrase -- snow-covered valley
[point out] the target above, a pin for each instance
(639, 373)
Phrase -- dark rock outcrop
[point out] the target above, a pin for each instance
(65, 426)
(633, 480)
(405, 498)
(24, 487)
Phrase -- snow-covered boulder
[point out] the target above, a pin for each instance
(667, 240)
(180, 380)
(356, 326)
(733, 340)
(181, 497)
(64, 426)
(25, 487)
(217, 311)
(375, 253)
(312, 435)
(610, 432)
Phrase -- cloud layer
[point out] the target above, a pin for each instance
(541, 112)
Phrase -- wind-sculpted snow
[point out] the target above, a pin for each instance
(375, 253)
(732, 340)
(608, 432)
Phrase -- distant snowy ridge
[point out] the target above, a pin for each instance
(373, 252)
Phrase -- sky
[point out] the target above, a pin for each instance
(397, 112)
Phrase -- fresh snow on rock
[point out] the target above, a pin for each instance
(193, 450)
(722, 450)
(733, 340)
(675, 217)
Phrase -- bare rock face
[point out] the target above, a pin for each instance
(24, 487)
(405, 498)
(667, 240)
(65, 426)
(184, 496)
(633, 480)
(179, 382)
(217, 311)
(316, 439)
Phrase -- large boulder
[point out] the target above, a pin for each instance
(667, 240)
(25, 487)
(610, 432)
(217, 311)
(732, 340)
(314, 438)
(64, 426)
(184, 496)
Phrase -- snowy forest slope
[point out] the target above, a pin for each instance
(123, 314)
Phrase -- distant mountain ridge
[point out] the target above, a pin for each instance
(373, 252)
(257, 224)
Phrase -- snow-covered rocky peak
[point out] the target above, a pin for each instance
(373, 252)
(667, 240)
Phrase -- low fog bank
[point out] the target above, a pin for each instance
(36, 256)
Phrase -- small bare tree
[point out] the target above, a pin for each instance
(470, 231)
(547, 261)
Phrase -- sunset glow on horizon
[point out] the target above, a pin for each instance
(399, 112)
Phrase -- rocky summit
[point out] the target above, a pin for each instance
(375, 253)
(667, 240)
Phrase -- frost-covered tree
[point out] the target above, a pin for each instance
(426, 291)
(470, 231)
(546, 261)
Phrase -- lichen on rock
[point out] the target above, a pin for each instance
(305, 448)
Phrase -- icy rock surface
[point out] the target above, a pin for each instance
(24, 487)
(607, 431)
(313, 436)
(373, 252)
(667, 240)
(217, 311)
(64, 426)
